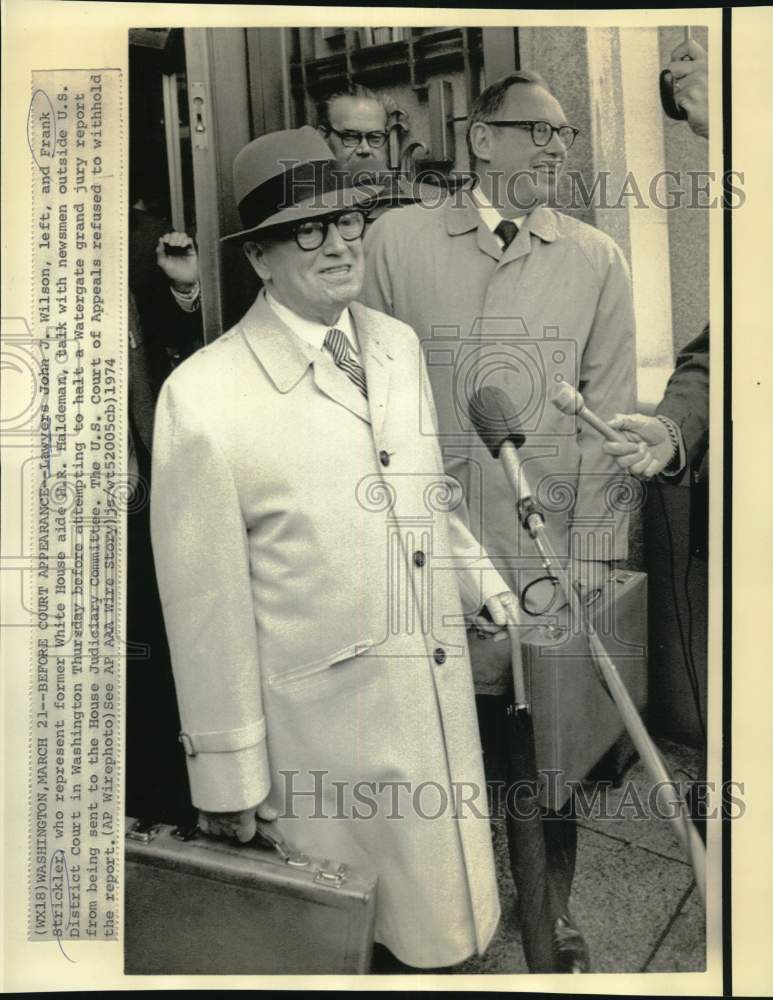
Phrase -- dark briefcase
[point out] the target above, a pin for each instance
(575, 720)
(199, 906)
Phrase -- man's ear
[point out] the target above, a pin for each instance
(256, 255)
(480, 140)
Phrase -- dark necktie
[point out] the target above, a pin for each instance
(337, 343)
(507, 231)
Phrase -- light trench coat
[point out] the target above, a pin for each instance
(555, 306)
(314, 576)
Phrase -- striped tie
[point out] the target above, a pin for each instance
(337, 343)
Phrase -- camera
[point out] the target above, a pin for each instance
(500, 352)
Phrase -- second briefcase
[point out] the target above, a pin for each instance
(198, 906)
(575, 720)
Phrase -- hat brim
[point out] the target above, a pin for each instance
(310, 208)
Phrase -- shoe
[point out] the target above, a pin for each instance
(569, 946)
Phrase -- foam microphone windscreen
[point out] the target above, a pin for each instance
(493, 415)
(568, 400)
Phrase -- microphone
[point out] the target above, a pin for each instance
(493, 415)
(568, 400)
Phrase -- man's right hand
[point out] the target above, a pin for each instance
(239, 825)
(176, 256)
(649, 449)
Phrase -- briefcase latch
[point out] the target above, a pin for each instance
(328, 874)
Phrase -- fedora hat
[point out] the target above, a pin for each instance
(289, 176)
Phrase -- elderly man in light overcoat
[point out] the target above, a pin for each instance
(315, 575)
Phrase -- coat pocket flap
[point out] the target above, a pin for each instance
(317, 666)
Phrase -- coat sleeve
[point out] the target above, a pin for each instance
(477, 579)
(200, 550)
(686, 399)
(608, 386)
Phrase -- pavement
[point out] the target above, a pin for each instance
(633, 898)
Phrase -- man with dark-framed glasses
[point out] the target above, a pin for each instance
(355, 123)
(504, 290)
(317, 638)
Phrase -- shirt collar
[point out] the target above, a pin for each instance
(491, 216)
(462, 215)
(310, 331)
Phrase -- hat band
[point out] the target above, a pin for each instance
(299, 182)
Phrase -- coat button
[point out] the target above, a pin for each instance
(419, 558)
(440, 655)
(384, 457)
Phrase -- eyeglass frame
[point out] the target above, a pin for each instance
(361, 135)
(527, 123)
(326, 221)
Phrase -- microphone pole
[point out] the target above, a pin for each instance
(489, 412)
(532, 520)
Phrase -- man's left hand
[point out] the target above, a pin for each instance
(503, 609)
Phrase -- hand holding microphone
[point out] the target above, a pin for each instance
(640, 445)
(651, 450)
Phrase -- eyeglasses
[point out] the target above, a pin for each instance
(350, 138)
(542, 132)
(312, 234)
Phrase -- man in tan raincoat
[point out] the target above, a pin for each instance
(314, 574)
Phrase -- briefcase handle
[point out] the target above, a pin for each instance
(266, 835)
(325, 872)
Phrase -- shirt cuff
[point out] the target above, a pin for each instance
(478, 584)
(679, 458)
(188, 301)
